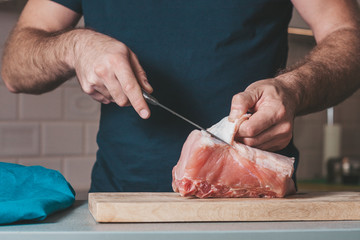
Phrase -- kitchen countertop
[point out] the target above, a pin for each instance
(317, 185)
(77, 223)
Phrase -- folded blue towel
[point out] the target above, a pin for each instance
(32, 193)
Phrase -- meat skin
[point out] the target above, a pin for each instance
(210, 168)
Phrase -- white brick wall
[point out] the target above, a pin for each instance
(8, 103)
(45, 107)
(62, 138)
(19, 138)
(91, 130)
(78, 106)
(56, 130)
(79, 179)
(48, 162)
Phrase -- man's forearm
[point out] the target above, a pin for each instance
(328, 75)
(36, 61)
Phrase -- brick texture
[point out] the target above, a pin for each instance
(78, 172)
(51, 163)
(91, 130)
(41, 107)
(62, 138)
(8, 160)
(79, 106)
(8, 103)
(17, 139)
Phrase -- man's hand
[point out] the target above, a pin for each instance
(328, 75)
(273, 108)
(44, 50)
(110, 72)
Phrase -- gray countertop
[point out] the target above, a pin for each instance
(77, 223)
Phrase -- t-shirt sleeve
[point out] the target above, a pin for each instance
(74, 5)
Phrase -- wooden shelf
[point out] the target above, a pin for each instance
(300, 31)
(322, 185)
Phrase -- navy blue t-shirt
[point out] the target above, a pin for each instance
(197, 54)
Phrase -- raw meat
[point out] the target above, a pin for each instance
(210, 168)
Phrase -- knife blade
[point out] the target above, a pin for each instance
(153, 101)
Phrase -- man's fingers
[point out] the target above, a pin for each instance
(103, 91)
(131, 88)
(113, 86)
(99, 97)
(267, 114)
(275, 136)
(240, 104)
(110, 87)
(96, 91)
(270, 125)
(119, 81)
(140, 73)
(257, 123)
(273, 145)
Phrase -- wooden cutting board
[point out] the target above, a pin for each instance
(171, 207)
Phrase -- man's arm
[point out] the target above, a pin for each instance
(26, 67)
(44, 50)
(328, 75)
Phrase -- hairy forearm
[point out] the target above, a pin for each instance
(36, 61)
(328, 75)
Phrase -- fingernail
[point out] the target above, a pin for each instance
(146, 82)
(144, 113)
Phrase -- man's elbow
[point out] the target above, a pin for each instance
(8, 83)
(11, 88)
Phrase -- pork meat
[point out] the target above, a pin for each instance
(210, 168)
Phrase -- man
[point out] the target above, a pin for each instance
(200, 57)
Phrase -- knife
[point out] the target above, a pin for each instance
(153, 101)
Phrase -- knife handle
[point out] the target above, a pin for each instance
(150, 99)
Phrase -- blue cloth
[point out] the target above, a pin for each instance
(31, 193)
(197, 54)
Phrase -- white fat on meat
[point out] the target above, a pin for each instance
(209, 168)
(226, 129)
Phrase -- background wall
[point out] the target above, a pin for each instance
(58, 129)
(309, 129)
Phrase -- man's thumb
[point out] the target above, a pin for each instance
(240, 104)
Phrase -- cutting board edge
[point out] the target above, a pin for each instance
(100, 206)
(91, 206)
